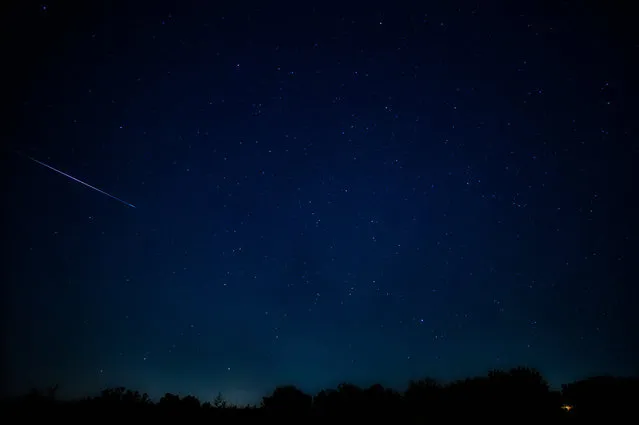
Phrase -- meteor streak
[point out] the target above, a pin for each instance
(80, 181)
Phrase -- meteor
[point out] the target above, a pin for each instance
(81, 182)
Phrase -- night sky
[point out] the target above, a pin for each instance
(323, 194)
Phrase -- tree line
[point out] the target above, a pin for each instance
(517, 394)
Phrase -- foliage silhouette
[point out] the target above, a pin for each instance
(219, 402)
(288, 401)
(520, 394)
(602, 397)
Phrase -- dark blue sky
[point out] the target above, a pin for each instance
(323, 195)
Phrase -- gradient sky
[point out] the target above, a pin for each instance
(323, 195)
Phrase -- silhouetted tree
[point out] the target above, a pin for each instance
(288, 399)
(41, 397)
(424, 397)
(380, 401)
(219, 402)
(603, 397)
(190, 403)
(169, 402)
(326, 402)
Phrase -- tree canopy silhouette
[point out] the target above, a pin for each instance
(519, 394)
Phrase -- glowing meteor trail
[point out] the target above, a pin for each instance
(80, 181)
